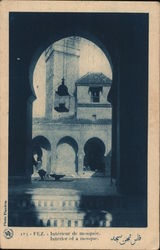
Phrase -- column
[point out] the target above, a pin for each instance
(48, 167)
(53, 156)
(80, 159)
(49, 58)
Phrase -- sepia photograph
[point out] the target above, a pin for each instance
(78, 127)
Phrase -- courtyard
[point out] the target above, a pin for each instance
(96, 186)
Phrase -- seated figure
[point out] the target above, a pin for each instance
(42, 173)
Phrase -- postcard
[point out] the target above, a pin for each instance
(79, 127)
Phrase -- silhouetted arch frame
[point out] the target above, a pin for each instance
(117, 33)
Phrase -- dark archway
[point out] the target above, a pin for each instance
(94, 155)
(41, 148)
(42, 142)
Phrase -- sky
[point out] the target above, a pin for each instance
(92, 59)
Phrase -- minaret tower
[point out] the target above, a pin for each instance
(62, 67)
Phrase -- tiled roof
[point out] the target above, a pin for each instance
(94, 78)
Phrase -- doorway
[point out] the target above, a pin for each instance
(94, 155)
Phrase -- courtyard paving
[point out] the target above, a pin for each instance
(96, 186)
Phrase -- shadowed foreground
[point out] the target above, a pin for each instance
(74, 203)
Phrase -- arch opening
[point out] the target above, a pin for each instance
(94, 155)
(41, 150)
(42, 142)
(67, 158)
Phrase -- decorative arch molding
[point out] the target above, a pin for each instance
(99, 138)
(95, 138)
(69, 140)
(41, 141)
